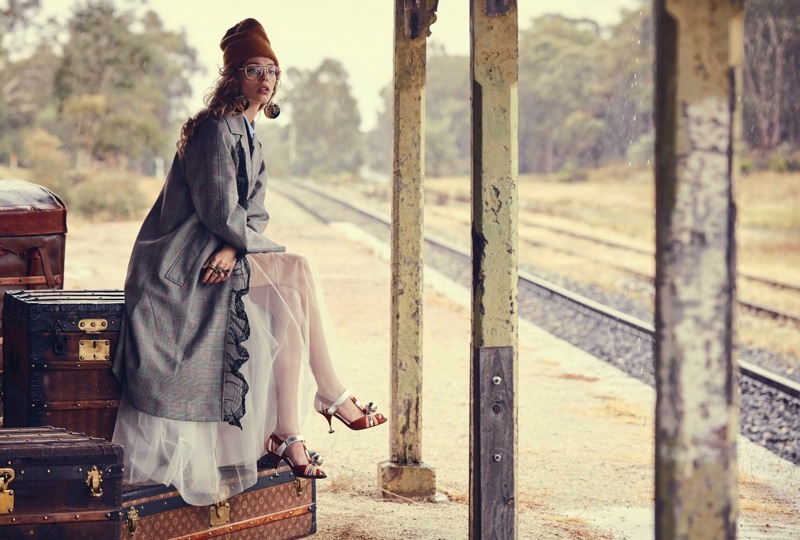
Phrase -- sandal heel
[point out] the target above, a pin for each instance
(276, 447)
(371, 418)
(329, 418)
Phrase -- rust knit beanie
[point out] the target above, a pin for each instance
(245, 40)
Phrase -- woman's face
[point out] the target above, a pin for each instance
(258, 79)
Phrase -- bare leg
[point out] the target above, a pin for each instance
(289, 292)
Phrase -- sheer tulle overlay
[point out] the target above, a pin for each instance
(289, 351)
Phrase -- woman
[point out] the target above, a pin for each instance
(223, 331)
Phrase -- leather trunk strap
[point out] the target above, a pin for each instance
(81, 405)
(248, 524)
(58, 279)
(37, 254)
(62, 517)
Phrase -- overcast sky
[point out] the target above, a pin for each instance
(357, 32)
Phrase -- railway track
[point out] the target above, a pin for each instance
(651, 253)
(751, 307)
(770, 403)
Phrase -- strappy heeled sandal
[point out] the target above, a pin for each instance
(276, 448)
(370, 418)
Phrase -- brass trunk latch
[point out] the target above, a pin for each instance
(6, 495)
(93, 479)
(299, 485)
(94, 349)
(133, 522)
(220, 513)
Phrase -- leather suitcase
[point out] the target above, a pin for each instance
(33, 224)
(58, 350)
(57, 485)
(278, 507)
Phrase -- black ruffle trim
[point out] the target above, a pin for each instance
(236, 354)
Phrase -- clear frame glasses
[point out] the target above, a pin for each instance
(256, 71)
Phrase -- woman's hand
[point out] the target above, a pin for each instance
(219, 266)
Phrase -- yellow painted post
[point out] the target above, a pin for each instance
(405, 473)
(493, 421)
(698, 61)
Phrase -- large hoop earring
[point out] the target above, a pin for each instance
(272, 110)
(242, 102)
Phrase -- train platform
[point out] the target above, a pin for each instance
(585, 428)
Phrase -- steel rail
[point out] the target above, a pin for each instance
(632, 324)
(650, 252)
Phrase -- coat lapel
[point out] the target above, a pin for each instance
(236, 125)
(257, 158)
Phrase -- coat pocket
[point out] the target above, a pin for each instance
(187, 259)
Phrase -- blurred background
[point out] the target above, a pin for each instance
(93, 94)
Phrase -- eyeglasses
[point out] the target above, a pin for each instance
(256, 71)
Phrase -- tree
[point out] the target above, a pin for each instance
(447, 118)
(628, 96)
(447, 113)
(26, 87)
(325, 121)
(15, 15)
(772, 72)
(130, 85)
(562, 80)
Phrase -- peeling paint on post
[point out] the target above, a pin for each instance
(494, 74)
(698, 55)
(404, 473)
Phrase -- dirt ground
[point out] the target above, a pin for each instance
(585, 462)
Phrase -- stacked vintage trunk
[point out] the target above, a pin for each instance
(279, 506)
(33, 225)
(56, 485)
(65, 483)
(58, 347)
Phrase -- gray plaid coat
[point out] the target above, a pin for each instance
(171, 348)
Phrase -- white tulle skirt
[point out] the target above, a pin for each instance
(290, 348)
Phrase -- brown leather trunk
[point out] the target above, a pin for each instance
(58, 350)
(279, 506)
(64, 486)
(33, 225)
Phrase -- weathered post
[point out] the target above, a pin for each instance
(698, 59)
(405, 473)
(493, 420)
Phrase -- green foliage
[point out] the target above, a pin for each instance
(325, 120)
(447, 114)
(48, 163)
(778, 163)
(105, 196)
(571, 174)
(120, 91)
(584, 95)
(772, 74)
(26, 91)
(642, 151)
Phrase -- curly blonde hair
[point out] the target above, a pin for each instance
(220, 101)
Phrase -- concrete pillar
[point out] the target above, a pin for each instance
(405, 473)
(493, 420)
(698, 58)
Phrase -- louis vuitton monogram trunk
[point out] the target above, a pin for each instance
(279, 506)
